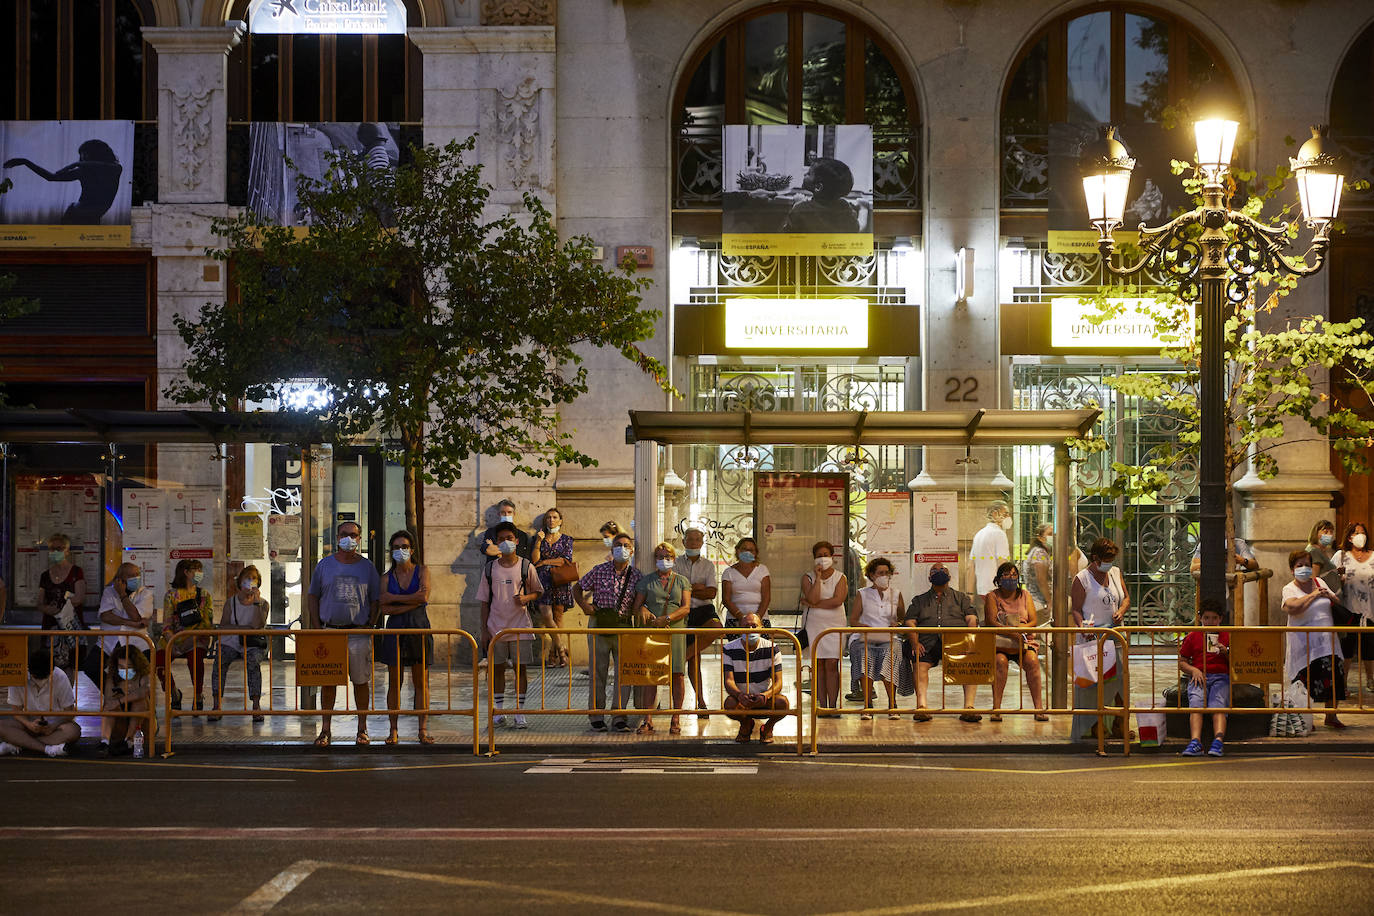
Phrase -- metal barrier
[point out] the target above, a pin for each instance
(1263, 661)
(43, 641)
(274, 635)
(776, 634)
(893, 637)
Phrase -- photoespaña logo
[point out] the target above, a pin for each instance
(805, 324)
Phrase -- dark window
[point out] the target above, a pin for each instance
(348, 78)
(95, 298)
(765, 69)
(1352, 111)
(81, 59)
(305, 78)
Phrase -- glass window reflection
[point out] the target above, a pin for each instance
(1090, 68)
(765, 70)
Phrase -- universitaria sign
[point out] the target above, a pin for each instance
(806, 324)
(328, 17)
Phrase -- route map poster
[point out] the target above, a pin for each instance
(792, 511)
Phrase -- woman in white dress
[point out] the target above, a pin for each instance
(745, 587)
(1312, 658)
(1354, 564)
(823, 594)
(1099, 598)
(879, 605)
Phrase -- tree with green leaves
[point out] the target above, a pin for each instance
(1278, 370)
(418, 317)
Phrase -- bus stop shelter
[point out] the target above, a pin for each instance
(977, 428)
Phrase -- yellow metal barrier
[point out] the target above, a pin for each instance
(781, 639)
(269, 656)
(1261, 653)
(893, 636)
(34, 639)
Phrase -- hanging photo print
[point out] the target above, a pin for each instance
(282, 151)
(71, 183)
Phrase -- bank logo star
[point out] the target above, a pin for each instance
(285, 6)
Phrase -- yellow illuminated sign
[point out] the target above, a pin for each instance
(1073, 326)
(800, 324)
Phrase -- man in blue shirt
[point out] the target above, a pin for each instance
(344, 590)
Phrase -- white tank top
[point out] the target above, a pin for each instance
(827, 586)
(1101, 601)
(878, 610)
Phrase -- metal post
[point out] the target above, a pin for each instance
(1212, 469)
(1063, 550)
(308, 695)
(646, 502)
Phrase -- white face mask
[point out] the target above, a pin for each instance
(248, 585)
(664, 564)
(1105, 566)
(607, 540)
(348, 543)
(752, 639)
(127, 674)
(881, 581)
(554, 529)
(824, 562)
(400, 554)
(508, 518)
(1005, 523)
(1358, 541)
(693, 552)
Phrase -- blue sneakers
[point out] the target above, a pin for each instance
(1194, 749)
(1215, 750)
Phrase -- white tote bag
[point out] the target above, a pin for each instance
(1085, 661)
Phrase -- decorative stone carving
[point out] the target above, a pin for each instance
(191, 130)
(517, 121)
(519, 12)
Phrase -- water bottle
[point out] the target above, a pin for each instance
(138, 744)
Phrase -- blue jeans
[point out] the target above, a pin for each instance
(225, 657)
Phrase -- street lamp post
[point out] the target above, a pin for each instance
(1214, 251)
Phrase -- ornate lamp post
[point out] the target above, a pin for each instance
(1215, 262)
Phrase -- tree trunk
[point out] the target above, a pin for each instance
(410, 446)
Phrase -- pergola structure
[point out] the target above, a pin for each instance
(942, 428)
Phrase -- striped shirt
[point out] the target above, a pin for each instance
(753, 669)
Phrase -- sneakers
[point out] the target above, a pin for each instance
(7, 749)
(622, 726)
(1194, 749)
(499, 722)
(520, 721)
(55, 750)
(599, 727)
(1216, 749)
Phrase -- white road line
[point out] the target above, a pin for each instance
(654, 766)
(1241, 874)
(1223, 782)
(154, 779)
(271, 893)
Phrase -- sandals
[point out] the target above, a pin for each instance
(645, 728)
(392, 740)
(995, 717)
(362, 740)
(426, 738)
(1041, 717)
(922, 716)
(702, 715)
(323, 739)
(765, 736)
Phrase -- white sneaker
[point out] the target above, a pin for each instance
(7, 749)
(499, 722)
(520, 722)
(55, 750)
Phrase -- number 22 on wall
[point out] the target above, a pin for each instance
(961, 389)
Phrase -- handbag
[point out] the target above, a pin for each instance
(188, 612)
(566, 574)
(1085, 662)
(1323, 680)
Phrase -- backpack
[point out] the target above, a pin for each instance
(524, 574)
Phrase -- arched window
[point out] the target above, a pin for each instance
(77, 59)
(1352, 115)
(325, 77)
(798, 63)
(1118, 65)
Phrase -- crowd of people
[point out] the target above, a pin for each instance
(529, 583)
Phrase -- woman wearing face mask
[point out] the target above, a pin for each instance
(127, 688)
(1098, 598)
(823, 593)
(404, 603)
(552, 549)
(664, 599)
(1010, 605)
(186, 606)
(61, 583)
(1355, 566)
(245, 609)
(745, 587)
(878, 605)
(1321, 545)
(608, 532)
(1313, 659)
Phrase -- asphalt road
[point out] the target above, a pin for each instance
(346, 832)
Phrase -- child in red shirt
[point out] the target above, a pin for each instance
(1205, 659)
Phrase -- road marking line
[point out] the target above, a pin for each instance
(1146, 884)
(265, 768)
(1101, 768)
(657, 766)
(1258, 782)
(271, 893)
(79, 779)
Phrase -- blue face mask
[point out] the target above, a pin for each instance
(620, 552)
(746, 556)
(1303, 573)
(1007, 584)
(1328, 539)
(132, 585)
(939, 577)
(752, 639)
(506, 547)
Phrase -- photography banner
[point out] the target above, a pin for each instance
(72, 183)
(794, 189)
(281, 151)
(1154, 192)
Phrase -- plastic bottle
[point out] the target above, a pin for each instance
(138, 744)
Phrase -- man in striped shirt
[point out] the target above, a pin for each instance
(753, 681)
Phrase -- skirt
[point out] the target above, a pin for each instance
(818, 619)
(406, 649)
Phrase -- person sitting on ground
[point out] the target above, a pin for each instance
(753, 681)
(39, 723)
(1205, 659)
(942, 605)
(128, 685)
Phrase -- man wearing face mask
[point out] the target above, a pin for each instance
(701, 573)
(753, 681)
(611, 587)
(990, 548)
(46, 729)
(344, 593)
(942, 605)
(523, 544)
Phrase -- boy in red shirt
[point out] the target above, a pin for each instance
(1205, 659)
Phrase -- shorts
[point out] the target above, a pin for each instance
(512, 652)
(360, 659)
(932, 649)
(700, 616)
(1014, 656)
(1217, 692)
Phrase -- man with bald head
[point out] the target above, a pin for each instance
(942, 606)
(753, 681)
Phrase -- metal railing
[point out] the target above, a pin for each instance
(781, 639)
(339, 676)
(981, 669)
